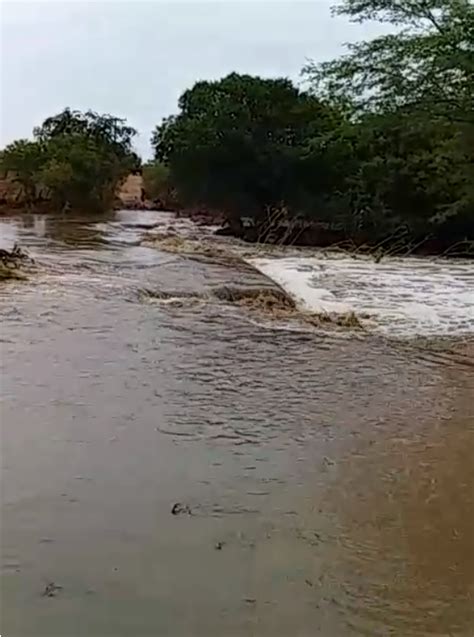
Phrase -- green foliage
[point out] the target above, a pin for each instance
(235, 143)
(427, 65)
(156, 180)
(106, 130)
(80, 158)
(402, 171)
(23, 158)
(382, 140)
(80, 173)
(411, 93)
(382, 143)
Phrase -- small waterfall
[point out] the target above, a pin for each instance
(404, 297)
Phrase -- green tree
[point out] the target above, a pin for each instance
(80, 158)
(408, 157)
(24, 158)
(426, 64)
(236, 143)
(397, 171)
(104, 129)
(80, 173)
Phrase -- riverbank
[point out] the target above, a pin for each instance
(322, 235)
(275, 229)
(281, 232)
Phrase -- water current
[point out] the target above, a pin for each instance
(324, 475)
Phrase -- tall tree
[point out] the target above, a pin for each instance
(236, 142)
(412, 104)
(426, 64)
(80, 158)
(105, 129)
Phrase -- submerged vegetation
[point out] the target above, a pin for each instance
(377, 149)
(13, 263)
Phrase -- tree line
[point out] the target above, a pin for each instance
(378, 143)
(75, 161)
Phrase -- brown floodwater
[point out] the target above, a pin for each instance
(327, 479)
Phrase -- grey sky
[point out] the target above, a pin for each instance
(134, 58)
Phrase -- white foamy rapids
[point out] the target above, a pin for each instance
(404, 297)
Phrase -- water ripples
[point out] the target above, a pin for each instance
(329, 475)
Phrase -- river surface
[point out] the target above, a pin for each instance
(325, 477)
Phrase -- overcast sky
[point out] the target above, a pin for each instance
(134, 58)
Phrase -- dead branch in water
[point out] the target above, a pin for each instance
(273, 219)
(11, 262)
(467, 242)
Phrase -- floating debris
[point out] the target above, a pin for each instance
(346, 319)
(268, 298)
(278, 304)
(8, 272)
(51, 589)
(174, 243)
(12, 263)
(179, 508)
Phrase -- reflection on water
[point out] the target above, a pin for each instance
(330, 480)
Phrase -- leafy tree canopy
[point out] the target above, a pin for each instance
(105, 129)
(24, 158)
(80, 158)
(426, 64)
(235, 142)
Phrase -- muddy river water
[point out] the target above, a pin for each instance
(325, 478)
